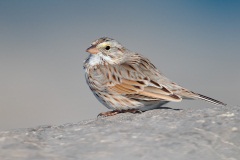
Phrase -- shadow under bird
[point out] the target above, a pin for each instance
(125, 81)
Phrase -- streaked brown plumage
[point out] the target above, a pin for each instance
(124, 80)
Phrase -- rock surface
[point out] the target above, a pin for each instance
(166, 134)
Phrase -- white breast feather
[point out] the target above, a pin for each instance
(99, 58)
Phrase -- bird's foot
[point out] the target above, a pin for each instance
(134, 111)
(115, 112)
(109, 113)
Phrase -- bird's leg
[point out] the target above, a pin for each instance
(109, 113)
(134, 111)
(115, 112)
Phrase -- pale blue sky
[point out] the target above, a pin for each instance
(42, 49)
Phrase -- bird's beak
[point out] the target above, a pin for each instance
(92, 50)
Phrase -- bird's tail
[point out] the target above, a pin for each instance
(193, 95)
(210, 100)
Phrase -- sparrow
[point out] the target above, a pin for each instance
(125, 81)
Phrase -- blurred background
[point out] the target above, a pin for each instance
(42, 49)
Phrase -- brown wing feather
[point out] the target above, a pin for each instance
(156, 90)
(121, 90)
(140, 78)
(124, 89)
(134, 87)
(172, 97)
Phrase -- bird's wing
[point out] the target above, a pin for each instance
(138, 80)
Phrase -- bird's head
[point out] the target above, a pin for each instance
(108, 49)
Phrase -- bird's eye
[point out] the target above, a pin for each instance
(107, 47)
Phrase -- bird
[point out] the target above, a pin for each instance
(125, 81)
